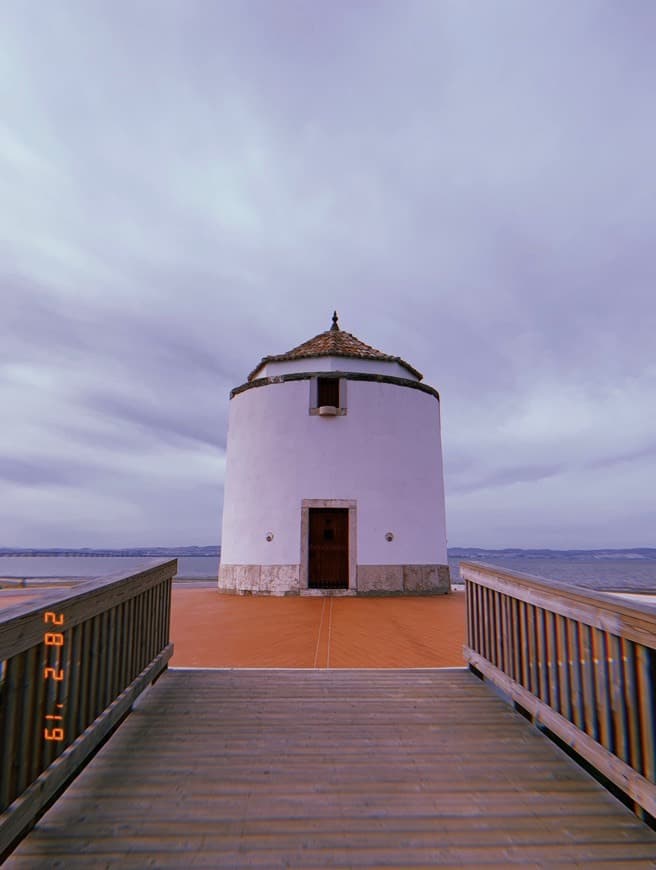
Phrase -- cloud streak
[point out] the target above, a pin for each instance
(188, 188)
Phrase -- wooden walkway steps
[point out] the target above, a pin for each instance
(323, 768)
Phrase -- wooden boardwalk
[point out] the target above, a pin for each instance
(331, 768)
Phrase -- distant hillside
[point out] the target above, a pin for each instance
(476, 553)
(133, 551)
(480, 555)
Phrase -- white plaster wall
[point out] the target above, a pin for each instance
(335, 364)
(385, 453)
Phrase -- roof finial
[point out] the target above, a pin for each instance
(335, 326)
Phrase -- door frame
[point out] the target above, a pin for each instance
(351, 506)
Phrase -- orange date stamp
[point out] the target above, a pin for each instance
(54, 642)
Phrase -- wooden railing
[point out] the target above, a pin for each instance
(71, 665)
(581, 663)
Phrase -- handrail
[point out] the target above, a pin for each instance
(582, 663)
(72, 663)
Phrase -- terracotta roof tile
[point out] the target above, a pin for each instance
(334, 342)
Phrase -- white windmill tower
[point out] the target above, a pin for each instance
(334, 475)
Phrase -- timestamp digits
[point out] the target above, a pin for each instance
(53, 675)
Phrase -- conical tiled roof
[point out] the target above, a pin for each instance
(334, 342)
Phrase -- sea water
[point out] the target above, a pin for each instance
(613, 575)
(87, 567)
(591, 571)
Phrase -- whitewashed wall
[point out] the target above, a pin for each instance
(385, 453)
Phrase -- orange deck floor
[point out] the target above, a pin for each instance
(213, 630)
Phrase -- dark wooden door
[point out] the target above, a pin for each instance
(328, 562)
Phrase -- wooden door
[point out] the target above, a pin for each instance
(328, 546)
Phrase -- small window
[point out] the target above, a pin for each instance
(328, 397)
(328, 392)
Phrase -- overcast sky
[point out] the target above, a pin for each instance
(187, 186)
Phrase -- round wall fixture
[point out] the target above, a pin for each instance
(269, 536)
(389, 536)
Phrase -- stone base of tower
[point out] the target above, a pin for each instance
(371, 580)
(260, 579)
(403, 579)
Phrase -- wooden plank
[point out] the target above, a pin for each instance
(83, 705)
(167, 607)
(553, 658)
(497, 648)
(158, 615)
(603, 688)
(140, 639)
(103, 661)
(576, 676)
(148, 623)
(95, 677)
(166, 600)
(489, 622)
(646, 711)
(152, 623)
(401, 768)
(620, 616)
(632, 703)
(617, 701)
(484, 619)
(523, 633)
(128, 647)
(533, 654)
(499, 633)
(142, 643)
(113, 653)
(72, 680)
(542, 656)
(469, 616)
(135, 646)
(506, 638)
(144, 627)
(36, 748)
(480, 621)
(32, 687)
(629, 780)
(20, 814)
(514, 640)
(125, 643)
(9, 731)
(565, 688)
(590, 711)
